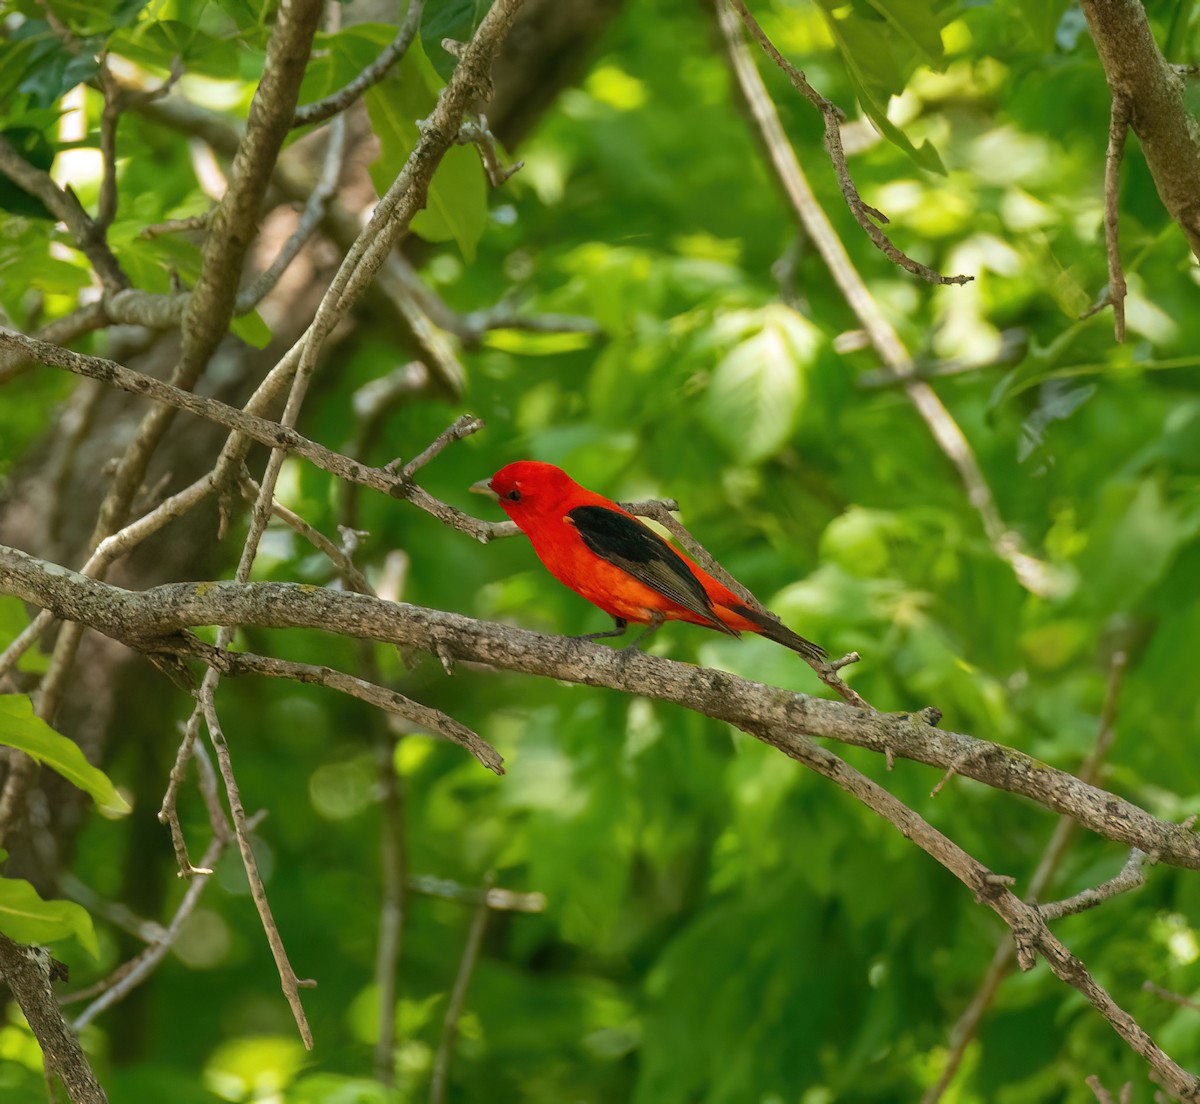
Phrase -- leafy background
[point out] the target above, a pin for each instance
(720, 926)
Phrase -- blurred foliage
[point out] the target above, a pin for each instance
(721, 927)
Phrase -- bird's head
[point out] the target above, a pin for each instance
(526, 488)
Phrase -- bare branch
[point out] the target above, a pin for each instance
(1175, 998)
(1157, 109)
(1003, 960)
(315, 209)
(235, 221)
(458, 997)
(177, 225)
(479, 134)
(28, 973)
(1032, 573)
(63, 330)
(238, 663)
(393, 905)
(148, 621)
(833, 115)
(132, 973)
(1118, 127)
(290, 982)
(494, 897)
(106, 209)
(462, 427)
(1030, 933)
(375, 72)
(1131, 876)
(63, 205)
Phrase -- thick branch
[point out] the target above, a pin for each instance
(27, 971)
(235, 221)
(1170, 134)
(147, 620)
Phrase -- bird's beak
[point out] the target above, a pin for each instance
(484, 487)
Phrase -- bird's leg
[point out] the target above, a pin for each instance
(621, 626)
(656, 621)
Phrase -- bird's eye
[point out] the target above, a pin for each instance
(514, 495)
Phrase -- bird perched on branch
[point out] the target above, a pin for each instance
(620, 564)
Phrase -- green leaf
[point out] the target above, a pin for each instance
(758, 387)
(917, 23)
(455, 19)
(161, 42)
(19, 728)
(25, 917)
(1043, 18)
(252, 329)
(869, 48)
(457, 205)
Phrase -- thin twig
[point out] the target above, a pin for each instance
(168, 812)
(106, 209)
(502, 900)
(354, 578)
(289, 981)
(375, 72)
(1032, 573)
(238, 663)
(458, 996)
(1131, 876)
(1166, 994)
(463, 426)
(863, 213)
(1118, 128)
(314, 212)
(479, 135)
(393, 906)
(1103, 1096)
(132, 973)
(177, 225)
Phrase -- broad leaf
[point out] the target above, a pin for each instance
(758, 387)
(21, 729)
(26, 918)
(457, 204)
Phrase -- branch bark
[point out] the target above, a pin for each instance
(1138, 73)
(27, 971)
(147, 622)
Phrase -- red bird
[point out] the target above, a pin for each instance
(620, 564)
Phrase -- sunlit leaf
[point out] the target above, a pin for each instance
(26, 918)
(457, 205)
(22, 729)
(757, 388)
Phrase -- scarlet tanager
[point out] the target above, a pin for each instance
(620, 564)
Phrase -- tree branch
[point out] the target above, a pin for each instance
(1032, 573)
(147, 621)
(27, 971)
(833, 115)
(1169, 133)
(338, 101)
(458, 997)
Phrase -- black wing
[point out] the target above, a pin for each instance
(638, 550)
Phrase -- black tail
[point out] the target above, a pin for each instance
(774, 629)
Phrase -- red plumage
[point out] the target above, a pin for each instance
(619, 563)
